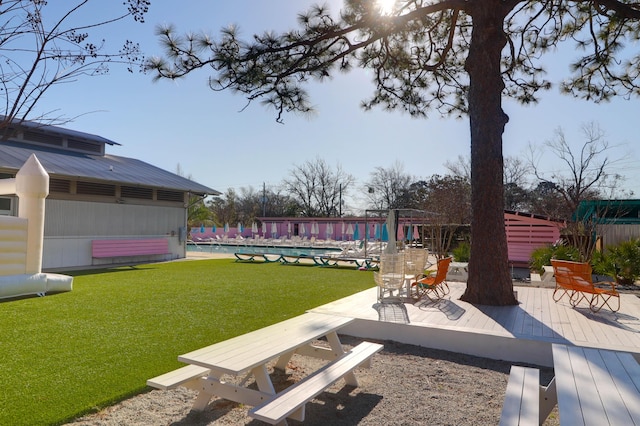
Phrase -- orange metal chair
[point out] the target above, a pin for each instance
(434, 287)
(574, 280)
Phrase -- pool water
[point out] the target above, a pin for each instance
(247, 249)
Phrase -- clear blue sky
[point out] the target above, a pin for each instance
(183, 122)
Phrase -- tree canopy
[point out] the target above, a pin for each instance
(457, 57)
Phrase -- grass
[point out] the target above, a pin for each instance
(68, 354)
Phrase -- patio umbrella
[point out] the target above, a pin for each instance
(400, 232)
(416, 234)
(254, 228)
(391, 227)
(214, 229)
(264, 229)
(409, 234)
(226, 228)
(315, 229)
(384, 235)
(202, 229)
(302, 230)
(350, 230)
(356, 232)
(240, 229)
(274, 229)
(376, 231)
(329, 230)
(289, 228)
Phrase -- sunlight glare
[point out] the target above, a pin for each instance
(386, 6)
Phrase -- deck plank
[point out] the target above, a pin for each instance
(536, 318)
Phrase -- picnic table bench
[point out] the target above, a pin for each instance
(248, 355)
(522, 400)
(591, 387)
(596, 386)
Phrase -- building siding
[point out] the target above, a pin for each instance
(71, 225)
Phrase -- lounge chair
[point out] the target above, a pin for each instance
(435, 286)
(390, 276)
(575, 280)
(415, 263)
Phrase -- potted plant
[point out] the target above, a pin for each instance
(462, 253)
(540, 261)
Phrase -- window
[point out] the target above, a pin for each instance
(5, 206)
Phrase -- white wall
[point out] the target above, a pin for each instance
(71, 225)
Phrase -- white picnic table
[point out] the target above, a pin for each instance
(596, 386)
(250, 353)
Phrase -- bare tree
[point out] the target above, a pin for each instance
(585, 173)
(318, 188)
(461, 167)
(225, 208)
(42, 46)
(448, 203)
(269, 201)
(387, 187)
(458, 57)
(515, 177)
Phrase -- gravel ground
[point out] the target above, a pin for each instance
(407, 385)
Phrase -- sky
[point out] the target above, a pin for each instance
(219, 143)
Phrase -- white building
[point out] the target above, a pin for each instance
(95, 196)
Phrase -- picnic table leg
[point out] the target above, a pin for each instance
(262, 379)
(548, 399)
(283, 360)
(336, 346)
(201, 402)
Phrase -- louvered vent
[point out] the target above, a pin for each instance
(84, 146)
(60, 185)
(136, 192)
(164, 195)
(92, 188)
(43, 138)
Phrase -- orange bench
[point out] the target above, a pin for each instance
(574, 280)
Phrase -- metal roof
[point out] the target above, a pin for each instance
(107, 168)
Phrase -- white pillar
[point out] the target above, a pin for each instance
(32, 187)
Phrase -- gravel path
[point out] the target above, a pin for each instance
(407, 385)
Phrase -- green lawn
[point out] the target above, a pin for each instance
(67, 354)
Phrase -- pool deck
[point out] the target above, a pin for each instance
(521, 334)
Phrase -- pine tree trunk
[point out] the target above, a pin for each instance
(489, 276)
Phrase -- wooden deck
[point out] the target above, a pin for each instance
(522, 333)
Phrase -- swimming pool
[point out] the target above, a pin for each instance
(247, 249)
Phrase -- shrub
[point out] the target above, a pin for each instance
(621, 261)
(542, 256)
(462, 253)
